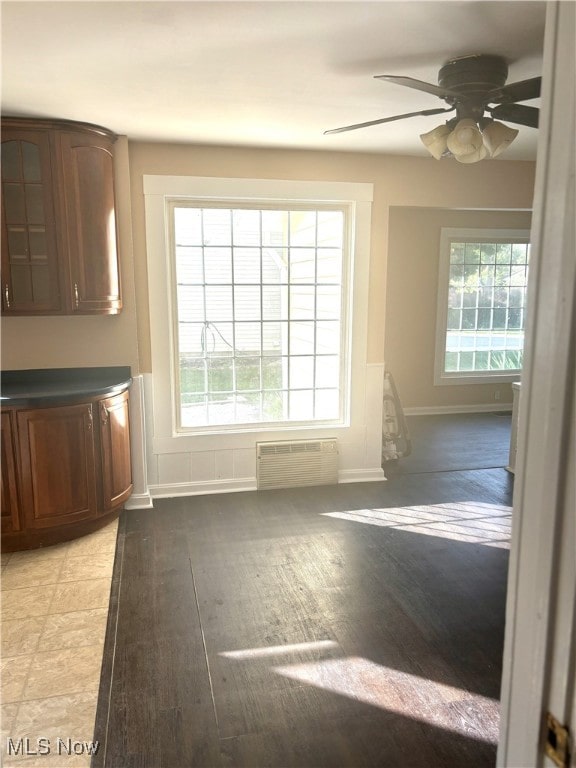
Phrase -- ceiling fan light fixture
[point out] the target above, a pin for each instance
(497, 137)
(435, 140)
(465, 139)
(473, 157)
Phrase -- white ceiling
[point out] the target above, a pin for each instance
(262, 73)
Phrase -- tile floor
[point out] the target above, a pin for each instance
(54, 612)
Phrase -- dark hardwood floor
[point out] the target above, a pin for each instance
(351, 625)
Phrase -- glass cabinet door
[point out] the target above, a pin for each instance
(29, 258)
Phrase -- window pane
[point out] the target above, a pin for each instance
(218, 339)
(327, 337)
(190, 303)
(246, 227)
(327, 404)
(189, 265)
(247, 302)
(247, 265)
(275, 265)
(327, 371)
(188, 226)
(248, 338)
(457, 251)
(454, 319)
(302, 228)
(472, 253)
(456, 276)
(275, 302)
(275, 228)
(218, 265)
(274, 338)
(191, 339)
(301, 372)
(301, 405)
(328, 302)
(330, 229)
(217, 226)
(248, 373)
(301, 338)
(329, 266)
(275, 406)
(488, 253)
(219, 302)
(274, 372)
(302, 265)
(192, 377)
(194, 410)
(302, 302)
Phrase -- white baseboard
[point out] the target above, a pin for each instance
(203, 487)
(139, 501)
(361, 475)
(236, 486)
(437, 410)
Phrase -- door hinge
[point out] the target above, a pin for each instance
(557, 745)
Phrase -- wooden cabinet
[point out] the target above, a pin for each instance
(65, 469)
(115, 450)
(10, 495)
(59, 247)
(31, 277)
(57, 457)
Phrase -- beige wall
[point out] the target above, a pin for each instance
(398, 181)
(411, 299)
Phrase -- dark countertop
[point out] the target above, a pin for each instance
(43, 386)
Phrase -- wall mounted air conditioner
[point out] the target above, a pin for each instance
(296, 463)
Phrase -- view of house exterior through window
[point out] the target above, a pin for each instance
(486, 306)
(259, 314)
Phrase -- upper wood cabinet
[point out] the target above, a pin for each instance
(59, 247)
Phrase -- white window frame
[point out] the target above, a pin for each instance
(447, 236)
(158, 191)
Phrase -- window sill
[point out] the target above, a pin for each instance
(477, 378)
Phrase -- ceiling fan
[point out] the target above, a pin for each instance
(471, 86)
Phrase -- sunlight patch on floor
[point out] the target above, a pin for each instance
(471, 522)
(275, 650)
(437, 704)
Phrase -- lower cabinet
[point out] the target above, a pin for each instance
(10, 495)
(58, 465)
(65, 469)
(115, 450)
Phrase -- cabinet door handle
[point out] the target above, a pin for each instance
(76, 296)
(7, 295)
(89, 415)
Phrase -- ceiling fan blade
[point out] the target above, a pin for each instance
(419, 85)
(516, 113)
(520, 91)
(388, 120)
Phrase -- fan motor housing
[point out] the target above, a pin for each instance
(473, 74)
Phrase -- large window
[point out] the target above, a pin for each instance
(481, 305)
(259, 312)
